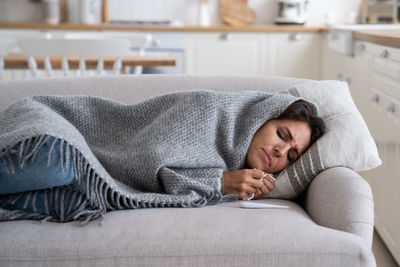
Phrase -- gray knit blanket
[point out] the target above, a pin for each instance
(168, 151)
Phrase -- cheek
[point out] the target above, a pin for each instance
(268, 137)
(281, 163)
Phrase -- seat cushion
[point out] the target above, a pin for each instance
(219, 235)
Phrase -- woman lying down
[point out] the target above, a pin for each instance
(67, 158)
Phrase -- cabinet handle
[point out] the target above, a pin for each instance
(156, 42)
(348, 80)
(225, 36)
(375, 98)
(362, 47)
(391, 108)
(340, 76)
(334, 36)
(385, 54)
(295, 37)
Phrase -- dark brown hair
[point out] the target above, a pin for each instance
(304, 111)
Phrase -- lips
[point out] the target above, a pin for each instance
(267, 158)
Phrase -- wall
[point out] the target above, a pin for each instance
(186, 10)
(20, 10)
(182, 10)
(266, 10)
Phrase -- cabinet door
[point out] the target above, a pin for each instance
(382, 97)
(295, 55)
(351, 69)
(225, 53)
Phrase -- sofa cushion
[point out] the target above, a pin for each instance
(219, 235)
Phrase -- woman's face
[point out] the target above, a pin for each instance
(277, 144)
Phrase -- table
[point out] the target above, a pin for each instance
(19, 61)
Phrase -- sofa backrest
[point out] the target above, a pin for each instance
(131, 89)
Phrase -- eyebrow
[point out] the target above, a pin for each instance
(291, 138)
(289, 133)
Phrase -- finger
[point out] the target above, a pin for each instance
(264, 189)
(247, 189)
(258, 174)
(256, 183)
(269, 176)
(252, 190)
(258, 194)
(269, 183)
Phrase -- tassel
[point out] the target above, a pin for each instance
(46, 219)
(61, 153)
(38, 145)
(50, 150)
(66, 158)
(46, 198)
(28, 196)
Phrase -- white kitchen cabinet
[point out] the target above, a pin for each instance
(225, 53)
(336, 66)
(382, 113)
(382, 95)
(348, 68)
(373, 74)
(280, 54)
(295, 55)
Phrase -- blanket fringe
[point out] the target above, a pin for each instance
(87, 199)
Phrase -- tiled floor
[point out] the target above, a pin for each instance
(382, 255)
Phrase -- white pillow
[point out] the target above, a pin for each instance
(347, 141)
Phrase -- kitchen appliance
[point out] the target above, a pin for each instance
(51, 11)
(204, 14)
(291, 12)
(380, 11)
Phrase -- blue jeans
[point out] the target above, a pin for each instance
(36, 175)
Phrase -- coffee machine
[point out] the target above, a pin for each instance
(380, 11)
(291, 12)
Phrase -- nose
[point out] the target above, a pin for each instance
(282, 149)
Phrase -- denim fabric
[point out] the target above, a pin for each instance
(35, 176)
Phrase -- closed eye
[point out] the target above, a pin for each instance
(293, 154)
(278, 132)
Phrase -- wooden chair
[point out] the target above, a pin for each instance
(138, 41)
(64, 48)
(9, 43)
(6, 45)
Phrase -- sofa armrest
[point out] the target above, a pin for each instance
(339, 198)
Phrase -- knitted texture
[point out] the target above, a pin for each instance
(168, 151)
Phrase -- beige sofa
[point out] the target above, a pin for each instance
(331, 224)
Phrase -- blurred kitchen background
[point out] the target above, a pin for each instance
(180, 12)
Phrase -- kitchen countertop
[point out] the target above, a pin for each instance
(382, 37)
(125, 27)
(379, 36)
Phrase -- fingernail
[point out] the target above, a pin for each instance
(270, 176)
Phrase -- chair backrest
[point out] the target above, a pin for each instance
(115, 48)
(138, 41)
(6, 44)
(15, 35)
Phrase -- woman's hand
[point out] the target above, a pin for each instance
(246, 182)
